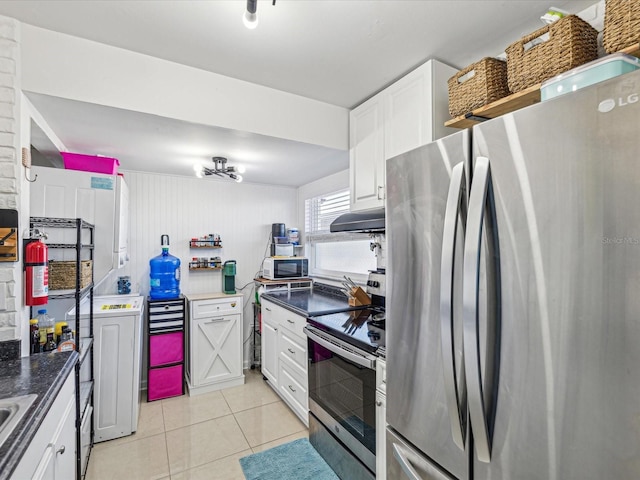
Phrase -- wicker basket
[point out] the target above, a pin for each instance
(571, 42)
(480, 83)
(62, 274)
(621, 24)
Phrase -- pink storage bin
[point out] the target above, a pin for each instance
(166, 348)
(90, 163)
(165, 382)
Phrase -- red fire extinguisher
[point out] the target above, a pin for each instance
(37, 273)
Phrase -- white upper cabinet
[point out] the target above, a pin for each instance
(405, 115)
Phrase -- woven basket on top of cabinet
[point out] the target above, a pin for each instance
(477, 85)
(62, 274)
(571, 42)
(621, 24)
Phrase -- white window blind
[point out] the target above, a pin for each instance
(332, 255)
(321, 211)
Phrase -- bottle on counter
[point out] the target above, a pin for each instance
(34, 338)
(47, 329)
(58, 331)
(50, 345)
(66, 343)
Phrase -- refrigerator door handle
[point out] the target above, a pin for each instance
(455, 208)
(405, 464)
(481, 406)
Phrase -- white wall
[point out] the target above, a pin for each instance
(12, 181)
(185, 207)
(70, 67)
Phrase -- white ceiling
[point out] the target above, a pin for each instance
(336, 51)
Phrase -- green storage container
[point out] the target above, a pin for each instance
(588, 74)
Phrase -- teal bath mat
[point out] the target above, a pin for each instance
(296, 460)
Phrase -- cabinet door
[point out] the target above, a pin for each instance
(407, 113)
(269, 349)
(217, 349)
(114, 395)
(366, 155)
(65, 444)
(381, 438)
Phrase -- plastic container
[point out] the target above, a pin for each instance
(588, 74)
(164, 274)
(46, 325)
(90, 163)
(294, 235)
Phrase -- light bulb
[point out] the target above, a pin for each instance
(238, 178)
(199, 174)
(240, 169)
(250, 20)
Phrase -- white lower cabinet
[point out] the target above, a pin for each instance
(51, 455)
(284, 356)
(215, 343)
(269, 345)
(381, 419)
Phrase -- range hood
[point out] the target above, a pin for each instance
(368, 221)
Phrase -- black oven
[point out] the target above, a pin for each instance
(342, 389)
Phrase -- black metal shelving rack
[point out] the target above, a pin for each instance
(84, 345)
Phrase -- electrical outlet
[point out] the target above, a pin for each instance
(26, 157)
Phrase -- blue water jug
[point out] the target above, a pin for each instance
(164, 274)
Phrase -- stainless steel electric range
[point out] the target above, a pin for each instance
(342, 353)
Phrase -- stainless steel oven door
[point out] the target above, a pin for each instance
(342, 391)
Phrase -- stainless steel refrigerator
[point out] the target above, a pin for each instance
(513, 305)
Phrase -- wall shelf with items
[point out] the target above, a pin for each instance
(212, 240)
(511, 103)
(203, 263)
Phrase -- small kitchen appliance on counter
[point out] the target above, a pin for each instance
(229, 277)
(342, 352)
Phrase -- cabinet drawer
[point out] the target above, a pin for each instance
(288, 319)
(167, 307)
(165, 382)
(215, 307)
(293, 385)
(294, 349)
(166, 348)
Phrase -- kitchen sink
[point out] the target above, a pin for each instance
(12, 410)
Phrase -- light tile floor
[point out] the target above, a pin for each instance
(201, 437)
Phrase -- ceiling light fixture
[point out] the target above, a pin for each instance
(220, 169)
(250, 18)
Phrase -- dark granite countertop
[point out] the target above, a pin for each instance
(320, 300)
(42, 374)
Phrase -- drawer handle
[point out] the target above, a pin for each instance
(267, 309)
(290, 321)
(61, 450)
(291, 351)
(292, 389)
(379, 403)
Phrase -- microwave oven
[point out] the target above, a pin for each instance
(281, 268)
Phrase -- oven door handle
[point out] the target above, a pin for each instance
(338, 350)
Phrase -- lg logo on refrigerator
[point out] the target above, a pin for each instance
(611, 103)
